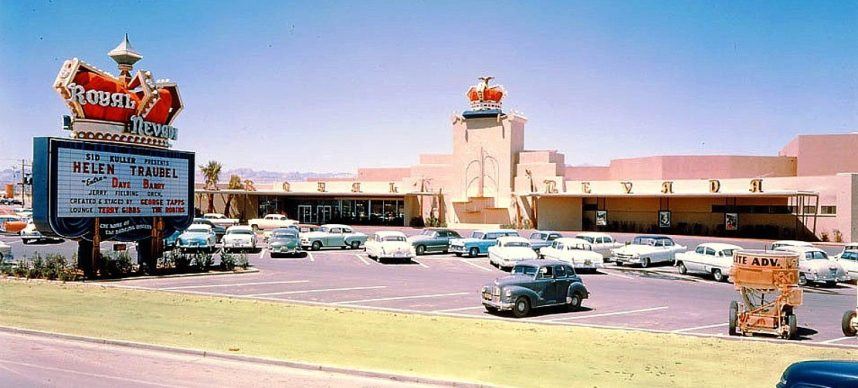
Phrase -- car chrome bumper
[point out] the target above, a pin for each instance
(283, 249)
(500, 306)
(457, 249)
(626, 259)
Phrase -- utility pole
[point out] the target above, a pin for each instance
(24, 182)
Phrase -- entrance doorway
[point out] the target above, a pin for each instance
(323, 214)
(305, 214)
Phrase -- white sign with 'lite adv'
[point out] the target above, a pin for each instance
(108, 184)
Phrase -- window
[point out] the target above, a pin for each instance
(558, 245)
(477, 235)
(851, 256)
(700, 250)
(336, 230)
(524, 269)
(546, 273)
(710, 251)
(587, 238)
(559, 271)
(536, 236)
(810, 210)
(453, 234)
(492, 236)
(347, 231)
(609, 240)
(828, 210)
(727, 253)
(553, 237)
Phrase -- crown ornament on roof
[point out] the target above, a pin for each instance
(485, 97)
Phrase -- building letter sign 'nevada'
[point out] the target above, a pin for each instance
(116, 167)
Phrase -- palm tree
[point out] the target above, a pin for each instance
(234, 184)
(211, 172)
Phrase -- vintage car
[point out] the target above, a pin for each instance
(239, 237)
(304, 228)
(819, 374)
(333, 236)
(849, 261)
(432, 240)
(271, 221)
(197, 238)
(479, 242)
(602, 243)
(849, 322)
(5, 253)
(715, 259)
(220, 219)
(171, 240)
(218, 230)
(533, 284)
(646, 250)
(790, 243)
(389, 245)
(12, 223)
(815, 267)
(540, 239)
(284, 241)
(31, 234)
(510, 250)
(575, 252)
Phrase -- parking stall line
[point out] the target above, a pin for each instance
(610, 273)
(831, 341)
(232, 285)
(607, 314)
(365, 261)
(313, 291)
(476, 265)
(458, 309)
(421, 264)
(262, 253)
(699, 328)
(403, 298)
(310, 256)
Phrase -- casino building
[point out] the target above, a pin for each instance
(808, 191)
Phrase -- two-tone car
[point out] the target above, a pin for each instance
(433, 240)
(511, 250)
(479, 242)
(220, 219)
(197, 238)
(219, 230)
(389, 245)
(814, 266)
(647, 250)
(535, 284)
(30, 235)
(284, 241)
(575, 252)
(541, 239)
(602, 243)
(715, 259)
(849, 261)
(239, 237)
(271, 221)
(333, 236)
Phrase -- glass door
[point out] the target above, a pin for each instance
(305, 214)
(323, 213)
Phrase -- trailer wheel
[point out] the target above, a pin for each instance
(848, 329)
(734, 317)
(793, 326)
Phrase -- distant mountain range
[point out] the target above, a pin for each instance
(10, 175)
(263, 176)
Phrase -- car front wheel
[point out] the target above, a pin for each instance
(317, 245)
(848, 329)
(682, 268)
(645, 262)
(521, 308)
(355, 244)
(474, 252)
(718, 275)
(420, 250)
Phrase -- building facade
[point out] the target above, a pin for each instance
(807, 191)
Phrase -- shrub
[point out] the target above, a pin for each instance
(227, 261)
(838, 237)
(117, 264)
(824, 236)
(242, 261)
(37, 268)
(202, 261)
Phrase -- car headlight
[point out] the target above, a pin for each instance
(508, 293)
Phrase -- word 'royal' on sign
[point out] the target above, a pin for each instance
(78, 94)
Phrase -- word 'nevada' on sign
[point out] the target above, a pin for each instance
(142, 127)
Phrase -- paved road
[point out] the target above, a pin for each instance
(27, 360)
(649, 299)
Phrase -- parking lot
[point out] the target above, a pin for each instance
(655, 299)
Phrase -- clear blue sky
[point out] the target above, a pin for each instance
(331, 86)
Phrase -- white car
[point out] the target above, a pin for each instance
(647, 250)
(711, 258)
(849, 261)
(388, 245)
(791, 243)
(220, 219)
(510, 250)
(31, 234)
(271, 221)
(239, 237)
(602, 243)
(5, 253)
(577, 252)
(814, 266)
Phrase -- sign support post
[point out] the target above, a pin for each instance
(95, 263)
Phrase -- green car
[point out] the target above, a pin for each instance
(283, 241)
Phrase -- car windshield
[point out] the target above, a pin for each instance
(728, 252)
(325, 229)
(198, 230)
(524, 270)
(520, 244)
(393, 238)
(537, 236)
(282, 234)
(816, 255)
(586, 238)
(239, 231)
(427, 232)
(477, 235)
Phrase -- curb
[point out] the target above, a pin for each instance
(242, 358)
(251, 270)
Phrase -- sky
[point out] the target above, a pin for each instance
(331, 86)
